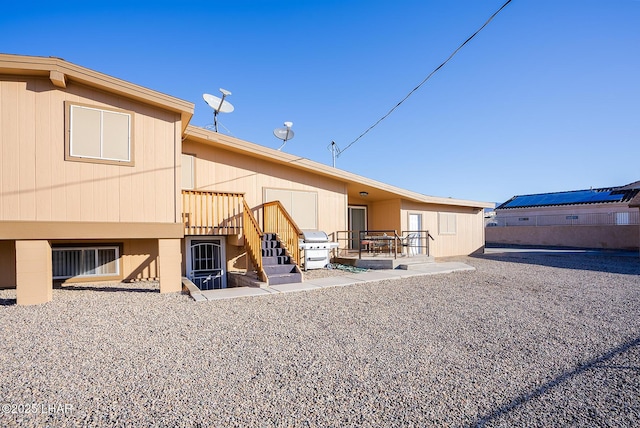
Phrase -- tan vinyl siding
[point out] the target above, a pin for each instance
(385, 215)
(225, 171)
(140, 259)
(302, 206)
(32, 119)
(469, 227)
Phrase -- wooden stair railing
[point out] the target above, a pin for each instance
(253, 240)
(211, 213)
(277, 220)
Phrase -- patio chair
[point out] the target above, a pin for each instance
(412, 244)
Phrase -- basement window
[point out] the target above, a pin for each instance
(98, 135)
(89, 262)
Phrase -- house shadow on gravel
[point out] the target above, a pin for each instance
(107, 288)
(600, 261)
(601, 362)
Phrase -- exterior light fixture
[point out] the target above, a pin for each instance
(364, 194)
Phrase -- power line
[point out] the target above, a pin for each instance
(425, 79)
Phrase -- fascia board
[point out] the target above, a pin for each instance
(33, 65)
(257, 151)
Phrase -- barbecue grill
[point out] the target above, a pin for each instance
(317, 248)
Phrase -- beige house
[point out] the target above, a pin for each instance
(104, 180)
(592, 218)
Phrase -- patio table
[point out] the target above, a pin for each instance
(378, 243)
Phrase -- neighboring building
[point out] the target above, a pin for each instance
(104, 180)
(635, 203)
(592, 218)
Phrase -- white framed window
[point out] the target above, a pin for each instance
(447, 224)
(99, 135)
(89, 262)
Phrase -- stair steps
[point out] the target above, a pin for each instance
(277, 263)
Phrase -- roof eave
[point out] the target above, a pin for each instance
(257, 151)
(60, 72)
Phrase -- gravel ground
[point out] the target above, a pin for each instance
(525, 340)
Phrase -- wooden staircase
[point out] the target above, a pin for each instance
(277, 264)
(274, 259)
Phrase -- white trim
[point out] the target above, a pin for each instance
(353, 245)
(102, 111)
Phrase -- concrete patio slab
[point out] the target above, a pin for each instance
(443, 267)
(333, 281)
(375, 275)
(232, 293)
(296, 286)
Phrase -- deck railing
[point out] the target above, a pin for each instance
(212, 213)
(416, 242)
(277, 220)
(253, 240)
(224, 213)
(408, 242)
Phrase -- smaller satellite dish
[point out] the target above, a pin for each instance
(219, 105)
(284, 134)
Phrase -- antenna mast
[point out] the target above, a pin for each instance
(335, 152)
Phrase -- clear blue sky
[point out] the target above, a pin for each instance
(546, 98)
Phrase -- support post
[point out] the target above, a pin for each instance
(34, 272)
(169, 264)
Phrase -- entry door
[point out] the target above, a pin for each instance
(415, 222)
(415, 225)
(357, 222)
(206, 264)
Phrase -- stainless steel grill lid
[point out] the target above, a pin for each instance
(314, 236)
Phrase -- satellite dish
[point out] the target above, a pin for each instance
(219, 105)
(284, 134)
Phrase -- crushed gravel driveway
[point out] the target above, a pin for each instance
(527, 339)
